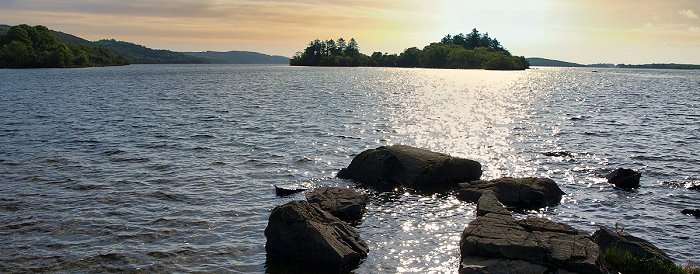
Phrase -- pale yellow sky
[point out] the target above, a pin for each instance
(584, 31)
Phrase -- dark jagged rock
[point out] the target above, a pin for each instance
(344, 203)
(494, 241)
(694, 212)
(399, 165)
(694, 187)
(522, 193)
(624, 178)
(637, 247)
(304, 237)
(287, 190)
(488, 203)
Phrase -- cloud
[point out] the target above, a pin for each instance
(688, 14)
(694, 29)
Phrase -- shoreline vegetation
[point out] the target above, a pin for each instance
(24, 46)
(471, 51)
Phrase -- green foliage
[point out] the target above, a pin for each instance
(24, 46)
(471, 51)
(625, 263)
(331, 53)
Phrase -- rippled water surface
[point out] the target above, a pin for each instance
(171, 168)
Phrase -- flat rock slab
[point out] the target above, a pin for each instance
(344, 203)
(398, 165)
(521, 193)
(496, 239)
(306, 239)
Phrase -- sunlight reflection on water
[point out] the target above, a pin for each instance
(170, 168)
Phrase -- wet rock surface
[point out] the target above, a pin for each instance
(344, 203)
(302, 237)
(521, 193)
(495, 240)
(398, 165)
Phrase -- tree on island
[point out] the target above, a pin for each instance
(24, 46)
(470, 51)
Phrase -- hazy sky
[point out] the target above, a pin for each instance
(584, 31)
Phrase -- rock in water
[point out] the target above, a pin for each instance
(488, 203)
(303, 237)
(498, 243)
(521, 193)
(694, 212)
(283, 191)
(399, 165)
(638, 248)
(344, 203)
(624, 178)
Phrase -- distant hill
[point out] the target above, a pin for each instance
(542, 62)
(239, 57)
(4, 28)
(138, 54)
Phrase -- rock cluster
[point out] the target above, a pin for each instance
(521, 193)
(495, 242)
(398, 165)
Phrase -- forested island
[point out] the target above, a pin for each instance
(24, 46)
(471, 51)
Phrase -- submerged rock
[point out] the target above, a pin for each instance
(305, 238)
(344, 203)
(399, 165)
(557, 154)
(624, 178)
(287, 190)
(495, 242)
(694, 212)
(622, 241)
(522, 193)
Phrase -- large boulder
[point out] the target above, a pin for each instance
(305, 238)
(637, 247)
(344, 203)
(533, 245)
(399, 165)
(521, 193)
(624, 178)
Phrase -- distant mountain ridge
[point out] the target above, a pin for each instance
(543, 62)
(138, 54)
(239, 57)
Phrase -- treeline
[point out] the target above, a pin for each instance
(24, 46)
(138, 54)
(660, 66)
(471, 51)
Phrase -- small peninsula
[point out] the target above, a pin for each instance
(471, 51)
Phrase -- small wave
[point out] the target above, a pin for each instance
(131, 160)
(202, 136)
(113, 152)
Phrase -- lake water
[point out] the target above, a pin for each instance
(171, 168)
